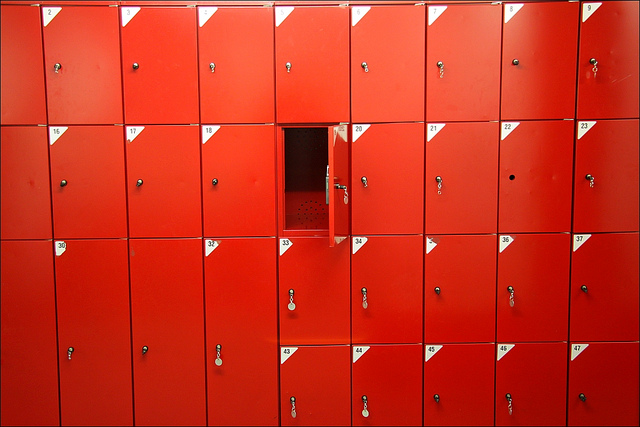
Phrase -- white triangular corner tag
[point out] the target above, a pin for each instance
(504, 349)
(507, 128)
(358, 242)
(128, 13)
(435, 12)
(358, 130)
(281, 13)
(56, 132)
(48, 13)
(430, 351)
(339, 240)
(584, 127)
(60, 246)
(204, 13)
(431, 244)
(588, 9)
(505, 240)
(358, 351)
(285, 244)
(133, 132)
(357, 13)
(208, 131)
(579, 239)
(510, 9)
(576, 349)
(433, 129)
(210, 246)
(286, 352)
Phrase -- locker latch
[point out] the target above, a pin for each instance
(288, 65)
(582, 397)
(439, 181)
(69, 351)
(508, 396)
(213, 67)
(365, 303)
(365, 67)
(346, 194)
(440, 65)
(57, 67)
(365, 182)
(512, 301)
(591, 179)
(145, 349)
(293, 407)
(365, 411)
(218, 360)
(292, 305)
(436, 397)
(594, 62)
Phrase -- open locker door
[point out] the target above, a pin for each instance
(336, 188)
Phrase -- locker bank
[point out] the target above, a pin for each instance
(320, 213)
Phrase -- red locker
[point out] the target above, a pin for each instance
(536, 175)
(168, 331)
(313, 292)
(160, 65)
(94, 335)
(163, 169)
(603, 384)
(392, 189)
(531, 384)
(235, 47)
(539, 64)
(23, 95)
(242, 331)
(312, 64)
(82, 65)
(313, 181)
(29, 340)
(604, 287)
(315, 386)
(458, 384)
(606, 176)
(463, 62)
(608, 61)
(387, 385)
(26, 194)
(461, 177)
(239, 179)
(387, 63)
(386, 289)
(533, 296)
(460, 297)
(88, 176)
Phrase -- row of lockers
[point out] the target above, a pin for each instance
(191, 360)
(113, 64)
(190, 181)
(518, 289)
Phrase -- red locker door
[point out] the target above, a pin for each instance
(29, 362)
(160, 65)
(463, 62)
(387, 385)
(531, 384)
(168, 331)
(606, 176)
(82, 65)
(608, 60)
(163, 169)
(92, 289)
(312, 64)
(23, 95)
(600, 311)
(387, 63)
(242, 331)
(239, 180)
(315, 386)
(458, 384)
(536, 175)
(337, 184)
(529, 89)
(393, 188)
(533, 294)
(235, 47)
(461, 177)
(386, 289)
(603, 384)
(313, 292)
(87, 171)
(26, 194)
(460, 297)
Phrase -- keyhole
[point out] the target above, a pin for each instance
(512, 177)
